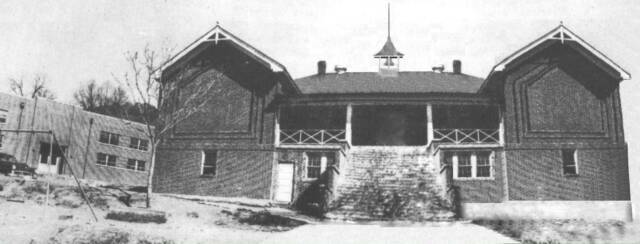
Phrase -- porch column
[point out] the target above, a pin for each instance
(429, 123)
(501, 128)
(347, 127)
(276, 128)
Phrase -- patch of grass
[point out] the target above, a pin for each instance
(261, 220)
(559, 231)
(193, 215)
(138, 216)
(39, 187)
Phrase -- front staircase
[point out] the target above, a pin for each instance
(398, 183)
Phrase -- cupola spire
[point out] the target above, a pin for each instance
(388, 57)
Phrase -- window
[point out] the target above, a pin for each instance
(569, 162)
(135, 164)
(140, 144)
(470, 165)
(3, 116)
(1, 138)
(106, 159)
(483, 164)
(209, 159)
(314, 165)
(317, 162)
(109, 138)
(464, 165)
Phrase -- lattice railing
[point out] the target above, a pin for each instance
(467, 135)
(311, 136)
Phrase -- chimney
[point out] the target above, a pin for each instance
(339, 69)
(438, 69)
(457, 67)
(322, 67)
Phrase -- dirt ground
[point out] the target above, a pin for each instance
(65, 221)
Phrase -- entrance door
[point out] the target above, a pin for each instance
(284, 191)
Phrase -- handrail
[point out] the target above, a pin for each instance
(312, 136)
(459, 136)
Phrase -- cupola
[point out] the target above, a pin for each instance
(388, 57)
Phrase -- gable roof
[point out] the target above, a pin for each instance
(219, 34)
(563, 34)
(373, 82)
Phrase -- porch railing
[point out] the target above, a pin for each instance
(467, 135)
(312, 136)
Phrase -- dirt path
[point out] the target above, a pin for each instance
(450, 233)
(27, 222)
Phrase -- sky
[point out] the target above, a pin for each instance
(74, 41)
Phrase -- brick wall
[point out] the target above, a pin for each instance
(537, 175)
(236, 123)
(484, 190)
(558, 100)
(239, 173)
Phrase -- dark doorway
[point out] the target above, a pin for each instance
(58, 151)
(389, 125)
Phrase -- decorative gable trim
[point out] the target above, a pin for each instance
(563, 34)
(219, 34)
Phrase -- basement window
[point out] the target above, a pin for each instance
(209, 160)
(470, 165)
(317, 162)
(569, 162)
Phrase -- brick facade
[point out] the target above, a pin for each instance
(550, 99)
(239, 173)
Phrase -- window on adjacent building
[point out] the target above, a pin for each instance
(135, 164)
(109, 138)
(140, 144)
(106, 159)
(209, 159)
(569, 162)
(317, 162)
(3, 116)
(1, 139)
(470, 165)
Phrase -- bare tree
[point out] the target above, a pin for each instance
(38, 87)
(147, 88)
(105, 99)
(89, 96)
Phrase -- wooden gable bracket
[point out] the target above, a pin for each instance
(563, 34)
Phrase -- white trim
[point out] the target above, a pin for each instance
(347, 127)
(575, 159)
(202, 157)
(429, 123)
(562, 30)
(216, 31)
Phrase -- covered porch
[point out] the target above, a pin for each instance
(388, 125)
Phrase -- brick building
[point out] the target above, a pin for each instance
(98, 147)
(542, 133)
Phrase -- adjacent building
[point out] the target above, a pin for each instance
(96, 146)
(542, 134)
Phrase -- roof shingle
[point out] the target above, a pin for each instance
(405, 82)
